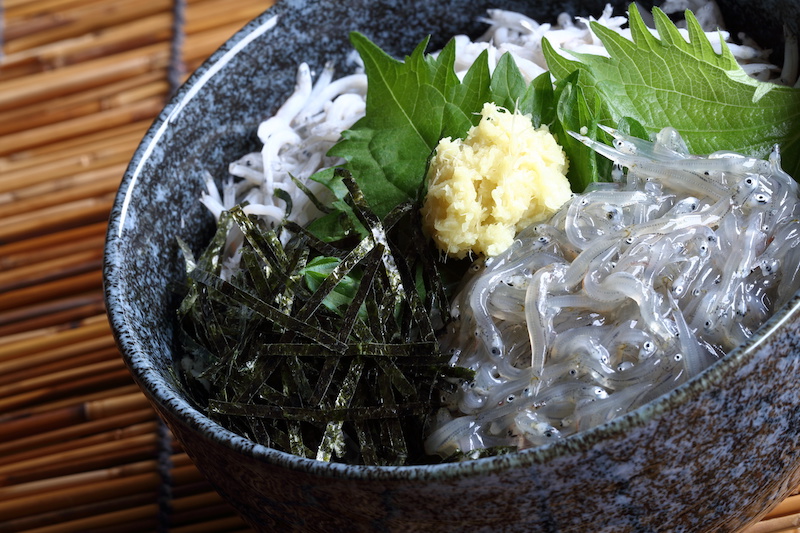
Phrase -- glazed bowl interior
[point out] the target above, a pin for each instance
(213, 119)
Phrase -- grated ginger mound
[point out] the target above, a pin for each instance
(503, 177)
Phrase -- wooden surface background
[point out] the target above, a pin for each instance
(80, 448)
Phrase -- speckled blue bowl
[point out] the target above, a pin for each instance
(713, 455)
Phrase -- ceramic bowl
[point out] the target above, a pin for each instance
(712, 455)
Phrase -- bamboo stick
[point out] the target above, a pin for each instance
(73, 137)
(132, 518)
(141, 518)
(132, 453)
(91, 328)
(94, 240)
(21, 124)
(201, 45)
(48, 246)
(94, 17)
(83, 341)
(28, 8)
(75, 153)
(14, 182)
(222, 524)
(126, 517)
(783, 524)
(116, 37)
(200, 18)
(187, 489)
(114, 435)
(48, 381)
(132, 450)
(76, 430)
(36, 18)
(21, 425)
(90, 492)
(25, 316)
(41, 193)
(72, 401)
(68, 265)
(203, 515)
(86, 185)
(54, 315)
(71, 214)
(52, 289)
(790, 505)
(86, 47)
(36, 463)
(108, 379)
(82, 76)
(81, 360)
(68, 107)
(62, 517)
(81, 125)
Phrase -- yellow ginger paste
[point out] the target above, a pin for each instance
(503, 177)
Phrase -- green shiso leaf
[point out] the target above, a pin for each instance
(507, 85)
(411, 105)
(573, 113)
(669, 81)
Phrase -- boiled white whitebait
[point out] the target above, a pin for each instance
(631, 288)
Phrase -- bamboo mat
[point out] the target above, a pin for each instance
(80, 448)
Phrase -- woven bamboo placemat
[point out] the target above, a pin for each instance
(80, 448)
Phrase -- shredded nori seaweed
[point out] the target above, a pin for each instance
(296, 369)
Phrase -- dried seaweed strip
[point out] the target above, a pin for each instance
(296, 349)
(268, 311)
(320, 205)
(397, 379)
(364, 435)
(387, 304)
(296, 444)
(408, 350)
(324, 380)
(284, 196)
(418, 311)
(398, 214)
(351, 384)
(209, 259)
(411, 350)
(318, 416)
(294, 369)
(332, 442)
(188, 256)
(268, 393)
(211, 323)
(359, 205)
(315, 243)
(265, 244)
(294, 288)
(345, 266)
(391, 430)
(257, 277)
(370, 265)
(426, 257)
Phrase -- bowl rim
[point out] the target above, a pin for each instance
(143, 373)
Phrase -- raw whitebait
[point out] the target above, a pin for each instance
(644, 305)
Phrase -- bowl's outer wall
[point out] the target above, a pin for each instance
(654, 470)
